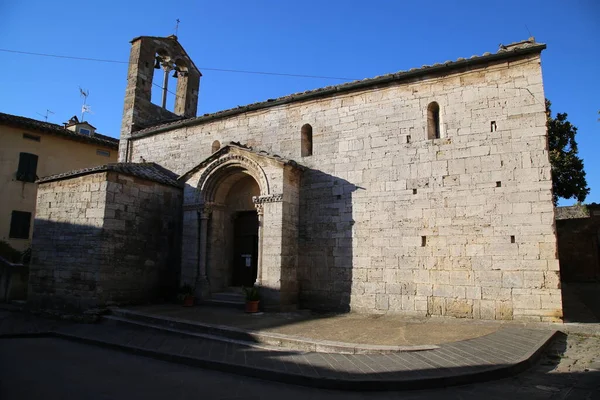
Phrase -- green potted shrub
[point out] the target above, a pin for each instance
(252, 299)
(186, 295)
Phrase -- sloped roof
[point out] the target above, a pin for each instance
(236, 145)
(58, 130)
(150, 171)
(505, 52)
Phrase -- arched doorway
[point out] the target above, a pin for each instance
(233, 233)
(240, 224)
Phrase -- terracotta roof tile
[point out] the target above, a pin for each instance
(54, 129)
(149, 171)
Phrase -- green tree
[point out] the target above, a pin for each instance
(568, 176)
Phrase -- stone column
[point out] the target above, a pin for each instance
(202, 283)
(189, 245)
(259, 211)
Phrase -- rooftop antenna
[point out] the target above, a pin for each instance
(177, 26)
(528, 31)
(46, 115)
(84, 108)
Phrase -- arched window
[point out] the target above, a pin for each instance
(306, 140)
(216, 146)
(433, 121)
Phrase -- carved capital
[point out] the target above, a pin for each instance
(205, 212)
(273, 198)
(192, 207)
(259, 209)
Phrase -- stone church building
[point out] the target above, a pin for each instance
(424, 192)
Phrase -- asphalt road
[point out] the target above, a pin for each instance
(57, 369)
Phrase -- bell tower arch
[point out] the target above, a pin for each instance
(147, 54)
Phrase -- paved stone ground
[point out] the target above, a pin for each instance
(50, 369)
(382, 329)
(489, 357)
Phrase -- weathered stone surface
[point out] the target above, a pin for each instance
(477, 198)
(385, 217)
(120, 247)
(578, 232)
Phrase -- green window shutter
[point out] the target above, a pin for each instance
(27, 167)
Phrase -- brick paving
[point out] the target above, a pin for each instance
(505, 352)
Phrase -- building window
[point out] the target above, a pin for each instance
(306, 140)
(84, 131)
(433, 121)
(35, 138)
(27, 167)
(216, 146)
(103, 153)
(19, 225)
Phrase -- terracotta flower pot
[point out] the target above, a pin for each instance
(188, 301)
(252, 306)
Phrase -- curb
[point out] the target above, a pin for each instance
(352, 383)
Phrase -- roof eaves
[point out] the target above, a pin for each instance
(158, 173)
(41, 126)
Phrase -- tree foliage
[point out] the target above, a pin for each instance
(568, 176)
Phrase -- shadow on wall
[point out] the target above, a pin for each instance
(325, 255)
(581, 302)
(77, 267)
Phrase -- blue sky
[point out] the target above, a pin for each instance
(331, 38)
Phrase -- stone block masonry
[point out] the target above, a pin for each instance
(393, 221)
(578, 231)
(104, 237)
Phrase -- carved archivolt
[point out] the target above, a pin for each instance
(210, 177)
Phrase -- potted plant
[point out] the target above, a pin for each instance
(252, 299)
(186, 295)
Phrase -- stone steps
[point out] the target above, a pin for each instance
(228, 298)
(251, 338)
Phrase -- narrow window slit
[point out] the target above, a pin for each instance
(433, 121)
(493, 126)
(407, 138)
(306, 140)
(423, 241)
(512, 238)
(414, 191)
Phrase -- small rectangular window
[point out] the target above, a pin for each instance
(20, 222)
(103, 153)
(84, 131)
(27, 167)
(31, 137)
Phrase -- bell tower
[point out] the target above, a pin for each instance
(147, 54)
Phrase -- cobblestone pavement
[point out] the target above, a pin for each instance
(45, 368)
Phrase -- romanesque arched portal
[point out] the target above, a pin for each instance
(240, 224)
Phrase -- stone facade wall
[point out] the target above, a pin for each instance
(393, 221)
(578, 235)
(103, 238)
(68, 244)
